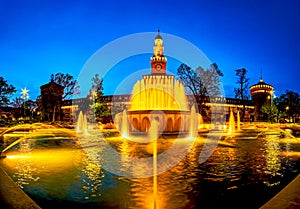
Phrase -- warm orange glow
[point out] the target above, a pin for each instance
(238, 121)
(16, 156)
(158, 93)
(231, 123)
(155, 174)
(47, 162)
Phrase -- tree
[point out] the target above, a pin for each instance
(201, 83)
(96, 94)
(31, 106)
(288, 103)
(97, 88)
(68, 82)
(17, 104)
(271, 110)
(6, 90)
(242, 92)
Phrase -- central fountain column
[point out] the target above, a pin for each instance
(153, 135)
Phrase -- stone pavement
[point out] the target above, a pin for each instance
(12, 196)
(287, 198)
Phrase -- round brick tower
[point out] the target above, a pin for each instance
(261, 93)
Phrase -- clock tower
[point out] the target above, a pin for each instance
(158, 60)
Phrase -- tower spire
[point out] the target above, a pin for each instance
(261, 79)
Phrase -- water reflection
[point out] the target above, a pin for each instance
(273, 162)
(239, 168)
(92, 176)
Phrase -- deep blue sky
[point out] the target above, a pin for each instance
(38, 38)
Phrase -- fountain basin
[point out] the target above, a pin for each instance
(251, 170)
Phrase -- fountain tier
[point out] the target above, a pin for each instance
(161, 98)
(158, 92)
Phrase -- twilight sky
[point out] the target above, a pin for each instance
(38, 38)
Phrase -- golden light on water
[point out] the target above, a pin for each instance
(155, 173)
(52, 159)
(16, 156)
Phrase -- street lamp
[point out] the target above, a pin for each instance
(287, 109)
(24, 96)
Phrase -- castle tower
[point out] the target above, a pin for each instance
(158, 60)
(261, 94)
(51, 95)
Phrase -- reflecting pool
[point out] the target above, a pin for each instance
(245, 170)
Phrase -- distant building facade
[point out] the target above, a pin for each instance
(117, 103)
(220, 106)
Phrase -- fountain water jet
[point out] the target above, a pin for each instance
(238, 121)
(231, 123)
(200, 121)
(81, 126)
(124, 127)
(153, 135)
(193, 123)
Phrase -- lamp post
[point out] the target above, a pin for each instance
(24, 96)
(287, 109)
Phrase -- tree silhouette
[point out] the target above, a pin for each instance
(17, 104)
(68, 82)
(201, 83)
(288, 103)
(6, 90)
(242, 92)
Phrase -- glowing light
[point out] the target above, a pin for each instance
(124, 127)
(24, 93)
(231, 123)
(158, 93)
(16, 156)
(153, 136)
(238, 121)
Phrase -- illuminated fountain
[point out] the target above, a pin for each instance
(81, 126)
(193, 123)
(68, 176)
(124, 127)
(157, 96)
(200, 121)
(153, 135)
(238, 120)
(158, 105)
(231, 123)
